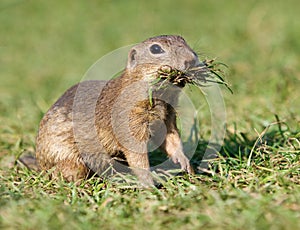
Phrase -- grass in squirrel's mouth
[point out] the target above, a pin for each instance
(208, 72)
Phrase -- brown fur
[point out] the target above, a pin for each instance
(95, 123)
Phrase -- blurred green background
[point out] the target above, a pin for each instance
(47, 46)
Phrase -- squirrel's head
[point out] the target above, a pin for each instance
(162, 50)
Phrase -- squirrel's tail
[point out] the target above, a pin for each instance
(29, 161)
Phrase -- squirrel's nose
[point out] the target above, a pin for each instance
(191, 63)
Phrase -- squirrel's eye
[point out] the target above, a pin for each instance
(156, 49)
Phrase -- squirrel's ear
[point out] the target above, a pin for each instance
(131, 59)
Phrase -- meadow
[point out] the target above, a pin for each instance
(47, 46)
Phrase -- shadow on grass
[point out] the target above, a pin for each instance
(239, 148)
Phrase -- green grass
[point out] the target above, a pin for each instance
(46, 46)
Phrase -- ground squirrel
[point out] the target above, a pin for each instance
(94, 124)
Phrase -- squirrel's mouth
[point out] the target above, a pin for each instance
(204, 74)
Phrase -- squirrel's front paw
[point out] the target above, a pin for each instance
(183, 161)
